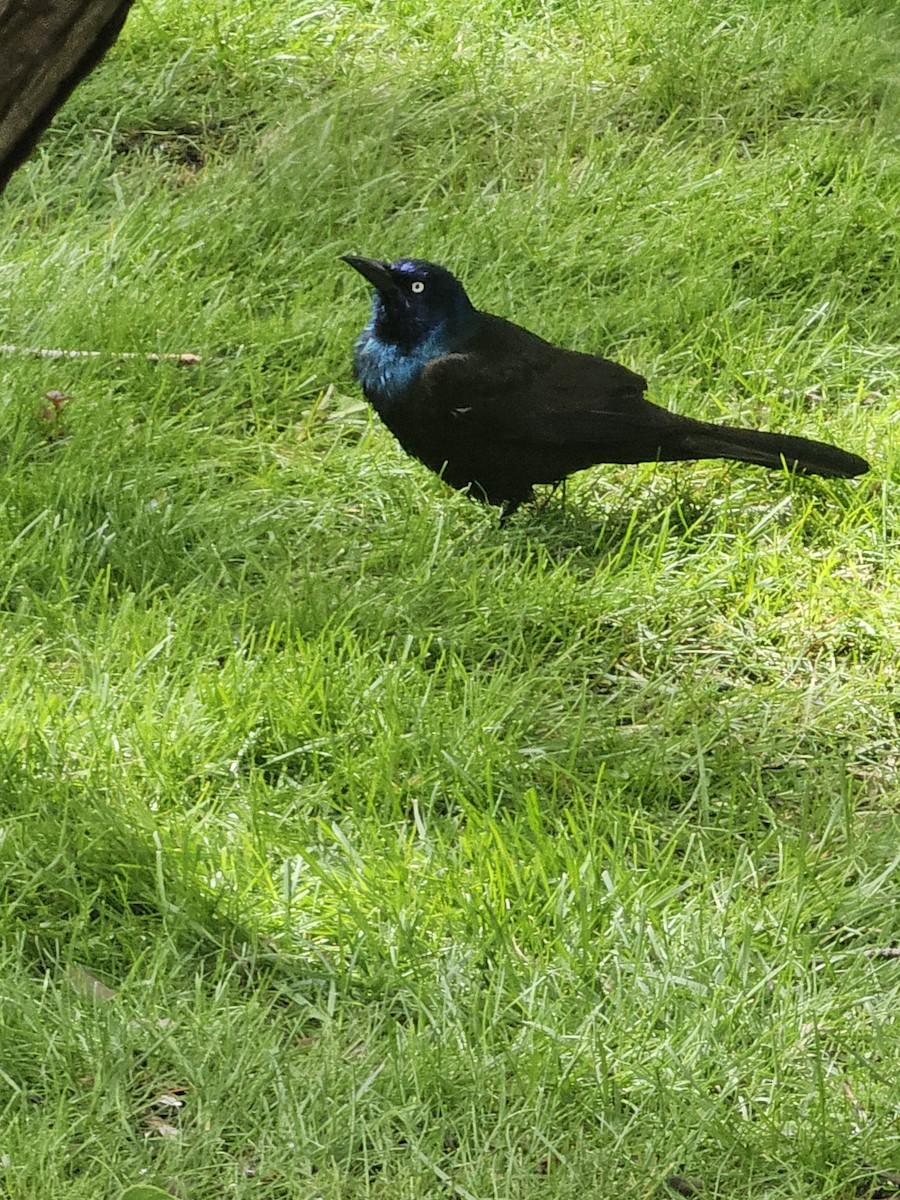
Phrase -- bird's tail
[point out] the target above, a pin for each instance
(702, 440)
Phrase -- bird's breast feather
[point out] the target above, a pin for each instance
(388, 373)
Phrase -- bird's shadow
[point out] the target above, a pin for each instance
(566, 525)
(608, 528)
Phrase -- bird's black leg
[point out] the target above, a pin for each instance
(507, 508)
(554, 487)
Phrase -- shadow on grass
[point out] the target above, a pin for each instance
(690, 512)
(83, 886)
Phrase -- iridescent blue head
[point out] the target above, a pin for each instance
(415, 302)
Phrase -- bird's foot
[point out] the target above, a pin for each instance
(507, 508)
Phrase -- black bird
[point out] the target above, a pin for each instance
(495, 409)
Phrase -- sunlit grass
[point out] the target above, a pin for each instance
(420, 857)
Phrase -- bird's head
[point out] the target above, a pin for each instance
(414, 301)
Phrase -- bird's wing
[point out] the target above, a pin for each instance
(509, 385)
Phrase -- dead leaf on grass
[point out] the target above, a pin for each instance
(157, 1127)
(58, 400)
(684, 1186)
(84, 984)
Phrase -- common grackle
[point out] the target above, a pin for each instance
(495, 409)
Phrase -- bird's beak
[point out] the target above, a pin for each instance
(377, 273)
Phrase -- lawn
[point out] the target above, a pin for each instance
(352, 845)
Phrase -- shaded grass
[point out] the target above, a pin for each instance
(426, 857)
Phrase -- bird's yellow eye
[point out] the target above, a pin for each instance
(418, 286)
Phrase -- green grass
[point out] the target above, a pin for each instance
(421, 858)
